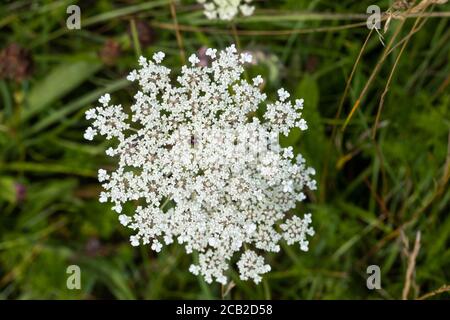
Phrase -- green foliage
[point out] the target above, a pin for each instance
(374, 194)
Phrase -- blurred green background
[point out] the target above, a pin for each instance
(381, 180)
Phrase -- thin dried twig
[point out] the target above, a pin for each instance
(287, 32)
(173, 12)
(391, 75)
(227, 288)
(444, 288)
(187, 28)
(411, 267)
(424, 4)
(417, 9)
(373, 74)
(446, 175)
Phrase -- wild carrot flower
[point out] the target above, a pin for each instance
(205, 172)
(226, 9)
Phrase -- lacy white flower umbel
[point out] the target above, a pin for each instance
(226, 9)
(204, 169)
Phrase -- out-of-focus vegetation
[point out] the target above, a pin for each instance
(381, 181)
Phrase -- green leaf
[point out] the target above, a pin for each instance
(313, 142)
(111, 275)
(7, 189)
(81, 102)
(60, 81)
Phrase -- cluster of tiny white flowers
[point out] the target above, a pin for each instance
(204, 170)
(291, 231)
(251, 266)
(226, 9)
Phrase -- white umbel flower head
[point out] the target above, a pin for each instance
(226, 9)
(206, 173)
